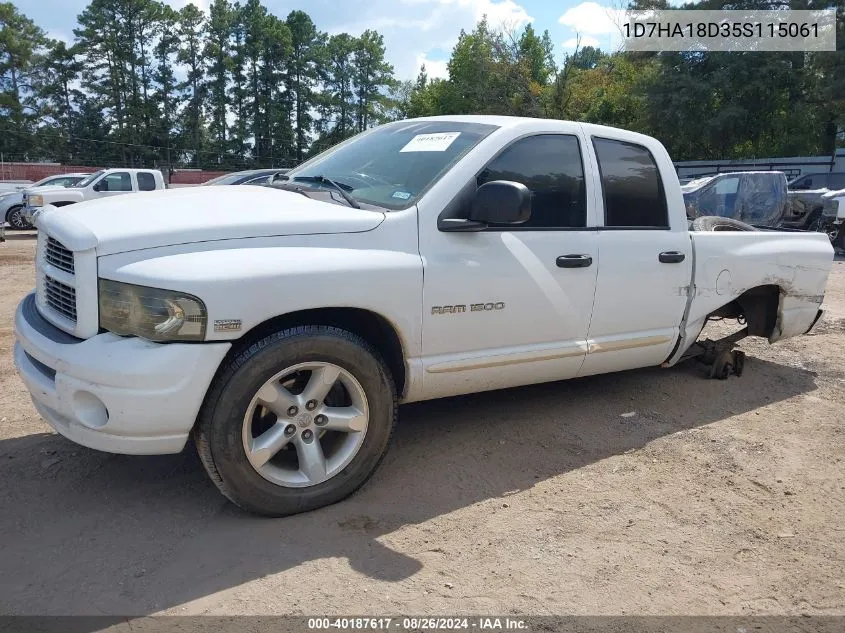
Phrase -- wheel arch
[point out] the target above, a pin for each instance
(374, 328)
(10, 209)
(759, 305)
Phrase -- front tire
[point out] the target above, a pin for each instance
(297, 421)
(16, 220)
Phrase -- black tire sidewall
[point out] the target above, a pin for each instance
(248, 488)
(813, 219)
(13, 212)
(839, 242)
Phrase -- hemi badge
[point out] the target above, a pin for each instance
(227, 325)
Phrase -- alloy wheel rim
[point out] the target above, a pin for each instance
(305, 424)
(16, 219)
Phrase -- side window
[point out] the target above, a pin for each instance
(118, 181)
(720, 198)
(633, 190)
(837, 181)
(727, 186)
(550, 166)
(146, 181)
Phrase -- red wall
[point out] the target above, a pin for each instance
(37, 171)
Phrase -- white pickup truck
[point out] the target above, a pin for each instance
(281, 325)
(102, 184)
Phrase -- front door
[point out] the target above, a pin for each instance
(511, 305)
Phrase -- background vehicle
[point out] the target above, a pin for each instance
(421, 259)
(754, 197)
(11, 203)
(804, 205)
(14, 185)
(249, 177)
(832, 218)
(102, 184)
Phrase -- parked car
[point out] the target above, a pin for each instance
(280, 326)
(249, 177)
(753, 197)
(832, 219)
(14, 185)
(11, 203)
(102, 184)
(804, 204)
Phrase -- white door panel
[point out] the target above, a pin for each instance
(537, 328)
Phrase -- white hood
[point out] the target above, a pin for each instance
(198, 214)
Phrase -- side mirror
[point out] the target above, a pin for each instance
(494, 202)
(96, 187)
(501, 202)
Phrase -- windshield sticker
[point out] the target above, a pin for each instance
(402, 195)
(438, 142)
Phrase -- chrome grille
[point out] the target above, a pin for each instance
(60, 297)
(58, 255)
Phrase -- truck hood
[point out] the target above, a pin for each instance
(49, 190)
(197, 214)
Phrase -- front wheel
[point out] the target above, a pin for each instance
(16, 220)
(299, 420)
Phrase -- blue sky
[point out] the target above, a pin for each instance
(415, 31)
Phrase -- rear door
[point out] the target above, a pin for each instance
(645, 268)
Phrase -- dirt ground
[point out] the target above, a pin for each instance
(715, 498)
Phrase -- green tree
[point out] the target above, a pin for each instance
(339, 105)
(167, 96)
(191, 28)
(62, 67)
(217, 51)
(305, 70)
(373, 76)
(21, 45)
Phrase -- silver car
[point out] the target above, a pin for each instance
(11, 202)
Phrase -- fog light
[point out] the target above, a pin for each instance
(90, 410)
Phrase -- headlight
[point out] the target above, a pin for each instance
(35, 201)
(830, 207)
(151, 313)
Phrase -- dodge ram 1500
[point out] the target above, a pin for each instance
(281, 325)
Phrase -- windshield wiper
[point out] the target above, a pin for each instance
(322, 180)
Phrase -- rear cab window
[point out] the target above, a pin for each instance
(632, 189)
(146, 181)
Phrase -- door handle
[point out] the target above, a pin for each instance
(574, 261)
(671, 257)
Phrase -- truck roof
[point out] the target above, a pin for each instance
(503, 121)
(131, 169)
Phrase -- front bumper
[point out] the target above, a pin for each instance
(114, 394)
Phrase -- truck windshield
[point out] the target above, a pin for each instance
(89, 179)
(393, 165)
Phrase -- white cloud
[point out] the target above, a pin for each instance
(202, 5)
(60, 35)
(434, 68)
(591, 17)
(586, 40)
(422, 26)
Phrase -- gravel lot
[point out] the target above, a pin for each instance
(715, 498)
